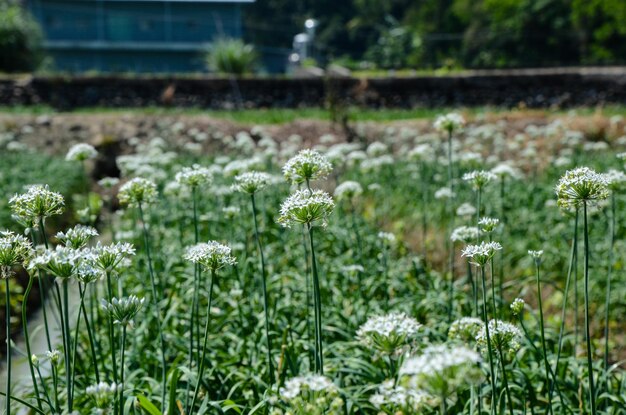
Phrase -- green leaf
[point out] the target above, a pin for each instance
(148, 406)
(229, 404)
(173, 384)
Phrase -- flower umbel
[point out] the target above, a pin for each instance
(481, 254)
(251, 182)
(211, 255)
(194, 176)
(137, 192)
(81, 152)
(124, 310)
(37, 203)
(14, 250)
(389, 332)
(77, 237)
(581, 185)
(306, 208)
(305, 166)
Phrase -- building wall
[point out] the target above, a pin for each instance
(139, 36)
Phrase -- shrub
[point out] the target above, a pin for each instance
(20, 40)
(231, 56)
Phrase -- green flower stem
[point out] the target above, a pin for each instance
(55, 387)
(307, 283)
(319, 355)
(424, 201)
(565, 295)
(543, 336)
(607, 305)
(505, 379)
(486, 320)
(265, 298)
(68, 345)
(45, 390)
(8, 338)
(94, 361)
(493, 284)
(592, 389)
(196, 283)
(155, 300)
(112, 342)
(121, 386)
(27, 341)
(66, 348)
(204, 344)
(42, 290)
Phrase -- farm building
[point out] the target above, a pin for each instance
(134, 35)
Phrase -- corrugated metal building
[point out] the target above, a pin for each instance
(134, 35)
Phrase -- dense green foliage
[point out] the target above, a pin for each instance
(384, 250)
(468, 33)
(231, 56)
(20, 39)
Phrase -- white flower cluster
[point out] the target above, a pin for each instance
(14, 250)
(37, 203)
(236, 167)
(488, 225)
(398, 399)
(466, 209)
(77, 237)
(387, 238)
(294, 387)
(62, 262)
(616, 179)
(503, 170)
(449, 122)
(504, 337)
(479, 178)
(517, 306)
(348, 190)
(444, 193)
(251, 182)
(108, 182)
(211, 255)
(304, 207)
(107, 258)
(465, 234)
(422, 152)
(137, 191)
(103, 394)
(307, 165)
(581, 185)
(123, 310)
(481, 254)
(81, 152)
(443, 369)
(389, 332)
(194, 176)
(535, 254)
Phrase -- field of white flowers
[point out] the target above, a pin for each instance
(463, 268)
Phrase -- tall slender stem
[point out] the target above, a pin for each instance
(40, 282)
(265, 298)
(607, 305)
(196, 283)
(8, 338)
(155, 301)
(82, 291)
(68, 345)
(121, 386)
(319, 362)
(27, 340)
(111, 331)
(505, 379)
(486, 320)
(592, 389)
(543, 336)
(206, 336)
(565, 295)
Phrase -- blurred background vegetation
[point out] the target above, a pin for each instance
(396, 34)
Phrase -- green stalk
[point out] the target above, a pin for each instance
(265, 298)
(206, 337)
(8, 334)
(27, 341)
(543, 336)
(319, 358)
(424, 204)
(486, 319)
(506, 380)
(592, 389)
(45, 390)
(574, 250)
(121, 406)
(111, 331)
(40, 282)
(68, 345)
(94, 360)
(155, 299)
(607, 304)
(194, 301)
